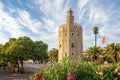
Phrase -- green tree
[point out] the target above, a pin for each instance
(1, 54)
(24, 47)
(40, 51)
(94, 52)
(95, 30)
(113, 49)
(20, 50)
(7, 50)
(53, 54)
(10, 52)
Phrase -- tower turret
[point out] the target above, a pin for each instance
(70, 17)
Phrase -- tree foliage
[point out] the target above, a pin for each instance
(18, 50)
(113, 50)
(109, 53)
(40, 50)
(94, 52)
(53, 54)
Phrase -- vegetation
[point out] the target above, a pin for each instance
(110, 53)
(113, 50)
(53, 54)
(69, 70)
(94, 51)
(15, 51)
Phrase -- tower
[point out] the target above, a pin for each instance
(70, 39)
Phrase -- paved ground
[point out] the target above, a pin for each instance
(29, 69)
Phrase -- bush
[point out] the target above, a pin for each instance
(77, 71)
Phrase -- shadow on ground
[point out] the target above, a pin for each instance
(8, 75)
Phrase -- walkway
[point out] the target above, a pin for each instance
(29, 69)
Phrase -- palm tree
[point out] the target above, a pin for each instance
(95, 30)
(94, 52)
(113, 50)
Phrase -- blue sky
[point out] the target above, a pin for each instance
(40, 19)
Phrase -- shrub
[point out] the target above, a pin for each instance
(69, 70)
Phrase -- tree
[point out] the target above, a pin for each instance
(8, 49)
(20, 50)
(40, 51)
(94, 52)
(113, 50)
(24, 47)
(95, 30)
(1, 54)
(53, 54)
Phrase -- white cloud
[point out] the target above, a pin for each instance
(53, 14)
(12, 25)
(25, 20)
(97, 16)
(45, 31)
(9, 24)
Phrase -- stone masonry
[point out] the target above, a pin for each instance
(70, 42)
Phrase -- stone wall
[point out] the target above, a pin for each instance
(70, 39)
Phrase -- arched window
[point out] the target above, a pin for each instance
(60, 46)
(72, 34)
(72, 54)
(65, 34)
(72, 45)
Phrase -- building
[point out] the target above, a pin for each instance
(70, 42)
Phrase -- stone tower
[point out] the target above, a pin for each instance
(70, 39)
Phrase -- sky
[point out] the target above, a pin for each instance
(40, 20)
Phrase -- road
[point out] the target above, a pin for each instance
(29, 69)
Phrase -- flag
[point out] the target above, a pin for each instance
(104, 39)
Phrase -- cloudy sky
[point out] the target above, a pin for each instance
(40, 19)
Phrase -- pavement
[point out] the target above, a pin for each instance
(29, 70)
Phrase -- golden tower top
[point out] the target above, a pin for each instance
(70, 12)
(70, 17)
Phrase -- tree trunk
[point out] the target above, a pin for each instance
(21, 68)
(115, 57)
(95, 56)
(18, 69)
(4, 66)
(95, 40)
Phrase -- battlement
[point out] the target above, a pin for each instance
(76, 24)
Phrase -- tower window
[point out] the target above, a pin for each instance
(78, 34)
(60, 46)
(72, 53)
(65, 34)
(72, 45)
(72, 34)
